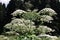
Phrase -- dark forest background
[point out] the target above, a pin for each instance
(26, 5)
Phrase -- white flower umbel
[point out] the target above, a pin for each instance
(21, 26)
(43, 29)
(2, 37)
(18, 12)
(46, 18)
(47, 11)
(48, 37)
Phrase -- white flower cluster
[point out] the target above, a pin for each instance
(3, 37)
(46, 18)
(22, 21)
(43, 29)
(48, 37)
(21, 26)
(47, 11)
(10, 33)
(18, 12)
(30, 15)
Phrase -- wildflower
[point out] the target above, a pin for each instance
(18, 12)
(43, 29)
(48, 36)
(47, 11)
(46, 18)
(6, 38)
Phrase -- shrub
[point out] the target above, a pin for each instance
(24, 26)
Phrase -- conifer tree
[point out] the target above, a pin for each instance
(2, 16)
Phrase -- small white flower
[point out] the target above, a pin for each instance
(25, 38)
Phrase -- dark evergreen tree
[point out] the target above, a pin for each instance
(2, 16)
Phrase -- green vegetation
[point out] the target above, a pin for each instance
(23, 27)
(30, 20)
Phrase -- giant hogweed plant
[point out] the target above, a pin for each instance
(22, 26)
